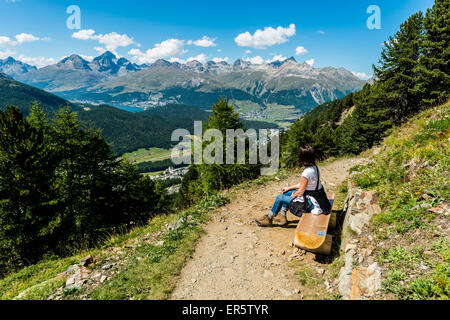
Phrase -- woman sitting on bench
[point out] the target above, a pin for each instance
(309, 186)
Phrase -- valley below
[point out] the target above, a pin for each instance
(279, 92)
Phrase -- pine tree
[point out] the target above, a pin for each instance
(60, 187)
(433, 70)
(396, 71)
(203, 179)
(217, 177)
(27, 197)
(298, 136)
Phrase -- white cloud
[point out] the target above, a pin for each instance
(320, 31)
(310, 62)
(255, 60)
(37, 61)
(362, 75)
(248, 51)
(20, 38)
(111, 41)
(200, 58)
(171, 48)
(26, 37)
(278, 57)
(100, 50)
(7, 53)
(172, 60)
(6, 42)
(84, 34)
(262, 39)
(88, 58)
(217, 60)
(203, 42)
(300, 50)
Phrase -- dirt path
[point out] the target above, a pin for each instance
(237, 260)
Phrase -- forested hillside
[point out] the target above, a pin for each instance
(125, 131)
(409, 238)
(413, 74)
(23, 96)
(62, 188)
(128, 131)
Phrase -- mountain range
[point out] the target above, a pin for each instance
(126, 131)
(71, 73)
(14, 68)
(258, 90)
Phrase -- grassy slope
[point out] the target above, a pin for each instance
(151, 154)
(23, 96)
(411, 175)
(413, 251)
(145, 270)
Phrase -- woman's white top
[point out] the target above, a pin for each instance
(310, 173)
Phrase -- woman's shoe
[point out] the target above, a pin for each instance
(265, 221)
(281, 220)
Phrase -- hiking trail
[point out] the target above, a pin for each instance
(237, 260)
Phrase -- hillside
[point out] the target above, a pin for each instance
(23, 96)
(126, 131)
(78, 222)
(408, 240)
(251, 87)
(278, 91)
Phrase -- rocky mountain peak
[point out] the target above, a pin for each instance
(9, 60)
(279, 63)
(194, 63)
(160, 63)
(106, 62)
(240, 64)
(74, 61)
(291, 59)
(13, 67)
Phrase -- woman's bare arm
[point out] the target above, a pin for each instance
(301, 188)
(287, 189)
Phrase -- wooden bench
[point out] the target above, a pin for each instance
(312, 231)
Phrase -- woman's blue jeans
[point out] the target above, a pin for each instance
(282, 201)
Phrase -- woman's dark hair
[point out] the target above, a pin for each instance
(307, 156)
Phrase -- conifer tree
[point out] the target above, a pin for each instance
(433, 70)
(27, 207)
(61, 187)
(203, 179)
(396, 71)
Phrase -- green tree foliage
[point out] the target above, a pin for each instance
(398, 60)
(413, 74)
(203, 179)
(61, 187)
(27, 190)
(128, 131)
(433, 69)
(317, 128)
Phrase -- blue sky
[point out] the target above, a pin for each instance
(326, 33)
